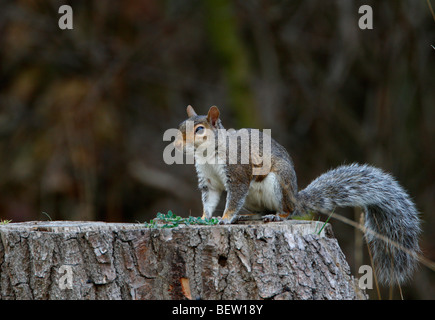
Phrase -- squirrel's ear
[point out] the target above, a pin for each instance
(190, 111)
(213, 115)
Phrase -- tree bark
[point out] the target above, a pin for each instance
(97, 260)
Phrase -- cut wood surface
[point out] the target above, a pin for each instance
(98, 260)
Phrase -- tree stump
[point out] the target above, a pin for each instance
(97, 260)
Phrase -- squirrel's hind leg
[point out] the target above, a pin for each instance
(276, 217)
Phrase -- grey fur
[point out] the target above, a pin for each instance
(388, 209)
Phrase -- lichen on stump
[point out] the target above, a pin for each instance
(97, 260)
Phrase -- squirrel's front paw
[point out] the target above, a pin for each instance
(223, 221)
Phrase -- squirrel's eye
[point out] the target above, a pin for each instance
(199, 129)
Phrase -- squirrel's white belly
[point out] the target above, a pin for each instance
(214, 173)
(264, 195)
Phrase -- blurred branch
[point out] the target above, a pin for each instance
(431, 9)
(161, 180)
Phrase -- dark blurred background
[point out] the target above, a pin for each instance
(83, 111)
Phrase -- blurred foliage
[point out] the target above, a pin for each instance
(83, 111)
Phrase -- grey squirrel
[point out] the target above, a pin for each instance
(389, 211)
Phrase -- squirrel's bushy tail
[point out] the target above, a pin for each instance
(389, 212)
